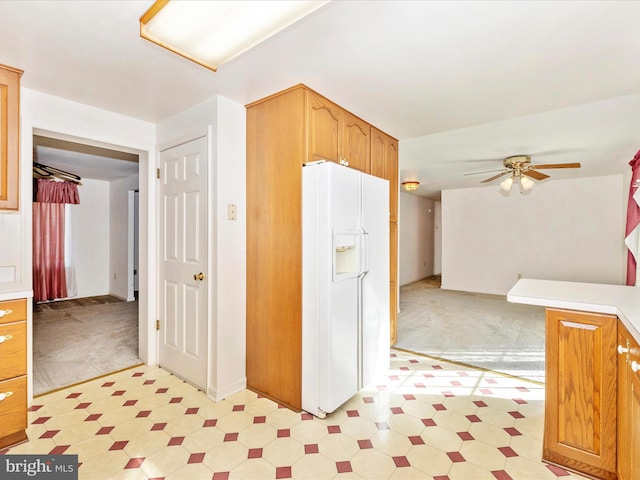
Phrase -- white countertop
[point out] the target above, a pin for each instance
(15, 295)
(618, 300)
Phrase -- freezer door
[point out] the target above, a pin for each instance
(339, 328)
(374, 335)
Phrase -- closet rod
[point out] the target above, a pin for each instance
(42, 170)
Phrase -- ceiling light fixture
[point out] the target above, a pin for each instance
(525, 183)
(212, 33)
(410, 186)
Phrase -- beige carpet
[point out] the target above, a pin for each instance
(76, 340)
(479, 330)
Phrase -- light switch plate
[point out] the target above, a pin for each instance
(232, 212)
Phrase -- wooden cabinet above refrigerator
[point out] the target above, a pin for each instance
(284, 131)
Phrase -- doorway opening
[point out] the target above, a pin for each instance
(91, 329)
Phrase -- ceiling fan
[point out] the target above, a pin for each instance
(522, 171)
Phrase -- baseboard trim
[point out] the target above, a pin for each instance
(217, 394)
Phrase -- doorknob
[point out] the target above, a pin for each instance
(199, 276)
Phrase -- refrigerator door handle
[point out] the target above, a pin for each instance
(364, 257)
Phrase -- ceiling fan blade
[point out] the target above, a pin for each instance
(556, 165)
(485, 171)
(491, 179)
(534, 174)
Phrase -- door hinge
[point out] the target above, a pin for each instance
(157, 324)
(157, 173)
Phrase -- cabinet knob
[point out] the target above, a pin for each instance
(4, 338)
(635, 366)
(5, 312)
(622, 349)
(5, 395)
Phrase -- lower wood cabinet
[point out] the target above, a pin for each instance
(633, 442)
(13, 372)
(628, 405)
(581, 400)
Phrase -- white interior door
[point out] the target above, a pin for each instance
(183, 261)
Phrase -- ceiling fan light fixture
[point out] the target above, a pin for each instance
(507, 184)
(212, 33)
(526, 183)
(410, 186)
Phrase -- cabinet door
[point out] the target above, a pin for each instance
(378, 153)
(392, 176)
(356, 142)
(13, 411)
(628, 406)
(324, 119)
(580, 408)
(9, 137)
(624, 403)
(633, 444)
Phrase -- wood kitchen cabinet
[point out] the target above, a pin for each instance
(392, 176)
(379, 142)
(325, 123)
(628, 405)
(9, 137)
(13, 374)
(393, 283)
(581, 403)
(384, 164)
(356, 142)
(284, 131)
(337, 135)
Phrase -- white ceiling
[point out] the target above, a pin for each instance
(456, 82)
(83, 159)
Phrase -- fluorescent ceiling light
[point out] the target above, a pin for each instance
(213, 32)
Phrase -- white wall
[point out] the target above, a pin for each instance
(90, 238)
(437, 239)
(119, 254)
(224, 122)
(569, 230)
(231, 247)
(416, 238)
(48, 113)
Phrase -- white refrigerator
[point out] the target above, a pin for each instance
(345, 283)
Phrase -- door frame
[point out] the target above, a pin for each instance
(133, 243)
(147, 338)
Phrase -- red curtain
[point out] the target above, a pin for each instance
(51, 191)
(49, 277)
(633, 221)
